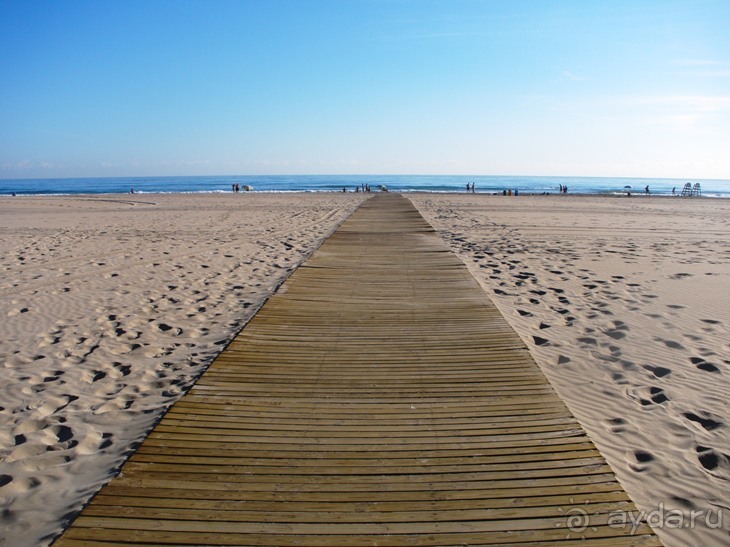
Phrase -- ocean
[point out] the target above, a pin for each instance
(335, 183)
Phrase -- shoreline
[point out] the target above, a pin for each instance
(406, 192)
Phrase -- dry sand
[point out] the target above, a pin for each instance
(111, 306)
(625, 305)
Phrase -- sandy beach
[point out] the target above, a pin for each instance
(111, 306)
(625, 305)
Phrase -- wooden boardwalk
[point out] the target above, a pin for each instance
(379, 398)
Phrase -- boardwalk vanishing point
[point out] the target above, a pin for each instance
(378, 398)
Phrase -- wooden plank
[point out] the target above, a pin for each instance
(378, 398)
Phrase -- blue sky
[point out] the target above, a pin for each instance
(480, 87)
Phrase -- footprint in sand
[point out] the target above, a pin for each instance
(124, 369)
(556, 290)
(648, 396)
(619, 378)
(717, 463)
(671, 343)
(616, 334)
(640, 460)
(658, 372)
(173, 331)
(711, 321)
(706, 366)
(705, 419)
(615, 425)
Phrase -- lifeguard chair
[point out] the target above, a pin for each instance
(696, 190)
(687, 190)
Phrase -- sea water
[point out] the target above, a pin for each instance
(335, 183)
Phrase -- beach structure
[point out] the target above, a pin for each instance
(378, 398)
(690, 190)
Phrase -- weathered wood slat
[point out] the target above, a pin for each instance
(516, 493)
(155, 531)
(601, 536)
(179, 499)
(379, 398)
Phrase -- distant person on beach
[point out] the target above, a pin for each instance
(565, 189)
(646, 189)
(468, 187)
(131, 191)
(674, 191)
(473, 187)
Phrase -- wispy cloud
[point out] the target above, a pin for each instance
(703, 68)
(430, 35)
(573, 76)
(692, 103)
(681, 112)
(715, 73)
(696, 62)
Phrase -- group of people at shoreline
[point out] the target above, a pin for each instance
(362, 188)
(471, 189)
(236, 188)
